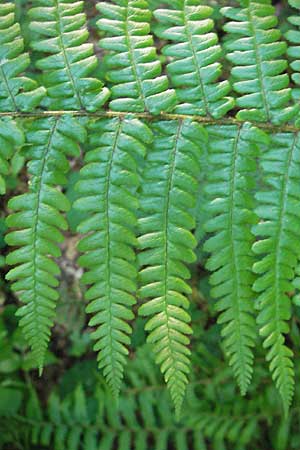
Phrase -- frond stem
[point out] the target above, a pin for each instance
(148, 116)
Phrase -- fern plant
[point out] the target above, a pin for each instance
(164, 105)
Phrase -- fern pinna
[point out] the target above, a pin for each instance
(167, 197)
(230, 182)
(195, 67)
(59, 28)
(163, 106)
(255, 50)
(38, 220)
(17, 93)
(132, 64)
(278, 248)
(107, 187)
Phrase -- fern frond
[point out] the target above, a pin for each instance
(108, 187)
(258, 73)
(37, 220)
(11, 137)
(195, 66)
(278, 250)
(232, 153)
(168, 193)
(17, 93)
(60, 34)
(133, 66)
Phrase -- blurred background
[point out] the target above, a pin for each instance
(70, 408)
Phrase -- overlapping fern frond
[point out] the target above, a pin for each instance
(293, 50)
(167, 199)
(259, 68)
(17, 93)
(132, 64)
(67, 60)
(196, 67)
(37, 221)
(108, 185)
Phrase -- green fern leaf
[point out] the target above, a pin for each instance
(168, 193)
(60, 30)
(17, 93)
(232, 163)
(133, 67)
(195, 67)
(279, 250)
(255, 49)
(11, 137)
(37, 220)
(108, 187)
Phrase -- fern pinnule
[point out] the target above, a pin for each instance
(232, 152)
(278, 251)
(17, 93)
(37, 221)
(108, 184)
(11, 138)
(167, 197)
(259, 70)
(195, 55)
(59, 36)
(133, 67)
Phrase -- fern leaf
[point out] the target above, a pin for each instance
(37, 220)
(108, 186)
(133, 67)
(11, 137)
(259, 76)
(168, 193)
(17, 93)
(195, 67)
(60, 34)
(232, 163)
(278, 250)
